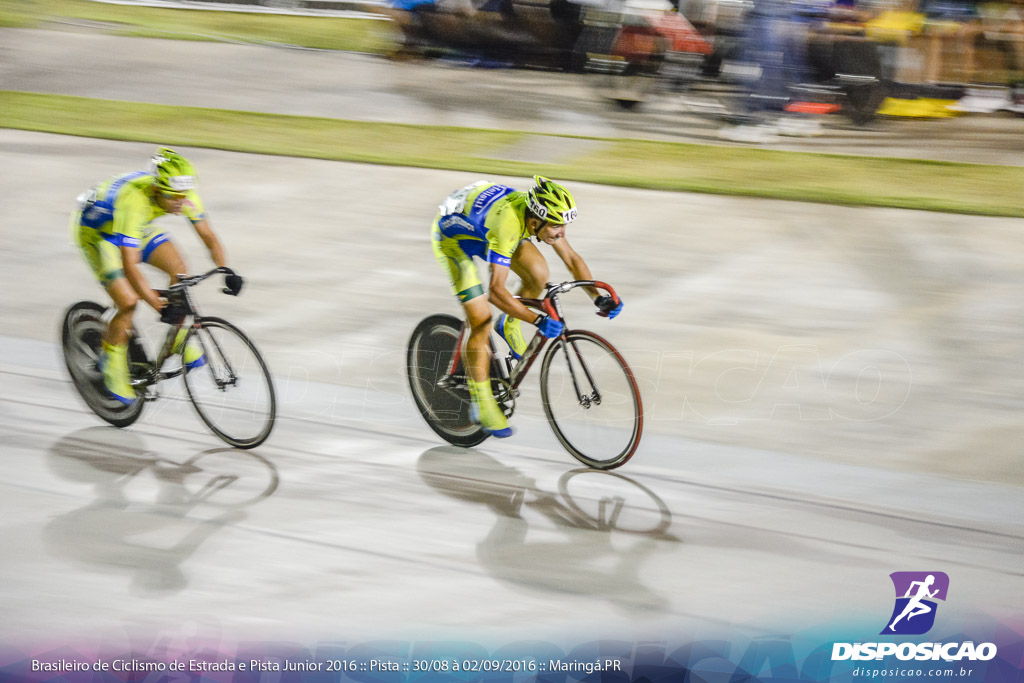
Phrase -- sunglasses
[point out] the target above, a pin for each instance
(172, 195)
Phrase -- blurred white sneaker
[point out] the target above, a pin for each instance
(759, 134)
(796, 127)
(1015, 102)
(981, 101)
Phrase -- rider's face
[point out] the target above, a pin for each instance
(171, 202)
(549, 233)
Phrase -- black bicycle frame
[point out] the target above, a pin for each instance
(178, 294)
(550, 305)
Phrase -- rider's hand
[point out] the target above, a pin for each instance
(233, 284)
(173, 314)
(609, 309)
(548, 326)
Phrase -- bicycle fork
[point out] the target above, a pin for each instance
(585, 400)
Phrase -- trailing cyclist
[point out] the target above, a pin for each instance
(113, 228)
(495, 223)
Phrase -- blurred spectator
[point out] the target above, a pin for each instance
(950, 27)
(774, 61)
(891, 27)
(997, 73)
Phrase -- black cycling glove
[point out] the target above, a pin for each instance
(233, 284)
(608, 307)
(173, 314)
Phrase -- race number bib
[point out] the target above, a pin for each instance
(456, 201)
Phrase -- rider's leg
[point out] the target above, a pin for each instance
(104, 260)
(466, 285)
(114, 359)
(478, 316)
(478, 363)
(125, 300)
(529, 264)
(161, 253)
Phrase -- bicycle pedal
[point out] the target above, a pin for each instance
(150, 395)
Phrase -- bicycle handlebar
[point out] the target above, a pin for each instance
(552, 291)
(185, 281)
(562, 287)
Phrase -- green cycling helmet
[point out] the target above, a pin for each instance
(551, 202)
(173, 172)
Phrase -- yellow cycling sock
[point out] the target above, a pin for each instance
(480, 390)
(486, 410)
(179, 339)
(115, 351)
(115, 372)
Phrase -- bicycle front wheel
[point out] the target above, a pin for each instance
(232, 391)
(591, 399)
(445, 408)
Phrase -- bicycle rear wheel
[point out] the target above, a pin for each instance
(82, 343)
(445, 409)
(591, 399)
(232, 392)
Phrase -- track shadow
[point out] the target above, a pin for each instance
(149, 514)
(592, 535)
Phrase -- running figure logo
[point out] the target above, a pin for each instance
(916, 592)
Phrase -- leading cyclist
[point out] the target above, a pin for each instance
(495, 223)
(113, 228)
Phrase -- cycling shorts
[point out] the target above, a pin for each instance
(102, 251)
(462, 272)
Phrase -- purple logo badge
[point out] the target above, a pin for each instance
(916, 593)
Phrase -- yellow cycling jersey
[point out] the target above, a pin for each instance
(486, 220)
(119, 209)
(119, 212)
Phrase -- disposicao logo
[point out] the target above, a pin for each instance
(916, 593)
(913, 615)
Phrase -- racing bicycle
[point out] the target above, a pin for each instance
(588, 392)
(232, 392)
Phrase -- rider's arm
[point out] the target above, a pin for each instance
(499, 295)
(208, 237)
(575, 263)
(196, 214)
(504, 230)
(130, 260)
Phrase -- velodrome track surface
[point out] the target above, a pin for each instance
(773, 485)
(832, 394)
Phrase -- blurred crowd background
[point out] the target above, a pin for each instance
(773, 65)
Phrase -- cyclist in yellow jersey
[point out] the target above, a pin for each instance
(495, 223)
(113, 228)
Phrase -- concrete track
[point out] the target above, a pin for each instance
(832, 394)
